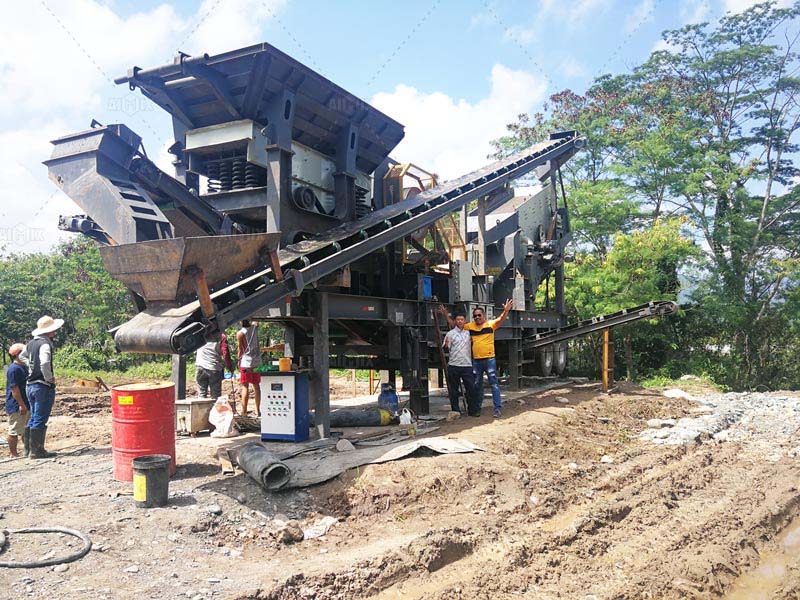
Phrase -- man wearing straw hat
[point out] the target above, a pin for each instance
(41, 382)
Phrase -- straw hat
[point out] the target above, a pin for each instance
(16, 349)
(47, 324)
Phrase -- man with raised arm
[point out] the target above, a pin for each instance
(483, 359)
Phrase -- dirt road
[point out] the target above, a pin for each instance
(566, 501)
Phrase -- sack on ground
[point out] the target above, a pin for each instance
(221, 417)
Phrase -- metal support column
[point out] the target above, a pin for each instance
(608, 360)
(514, 363)
(561, 306)
(419, 400)
(280, 118)
(344, 179)
(322, 397)
(179, 375)
(481, 236)
(279, 184)
(289, 347)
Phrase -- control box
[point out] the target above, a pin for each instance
(284, 406)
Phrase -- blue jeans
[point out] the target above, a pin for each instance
(489, 365)
(41, 398)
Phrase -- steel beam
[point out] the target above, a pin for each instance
(218, 84)
(256, 86)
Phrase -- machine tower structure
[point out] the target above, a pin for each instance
(285, 206)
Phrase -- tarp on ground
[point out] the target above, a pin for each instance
(311, 468)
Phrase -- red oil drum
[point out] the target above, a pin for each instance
(143, 423)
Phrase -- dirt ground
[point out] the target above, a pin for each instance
(565, 501)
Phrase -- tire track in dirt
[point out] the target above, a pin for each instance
(687, 530)
(660, 522)
(639, 547)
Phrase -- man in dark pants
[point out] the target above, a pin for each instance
(483, 359)
(212, 360)
(41, 386)
(459, 368)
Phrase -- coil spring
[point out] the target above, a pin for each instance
(363, 204)
(238, 173)
(252, 175)
(362, 208)
(225, 176)
(212, 172)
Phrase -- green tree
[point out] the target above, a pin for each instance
(706, 131)
(640, 267)
(69, 283)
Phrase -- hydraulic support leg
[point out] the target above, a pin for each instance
(179, 375)
(322, 396)
(514, 363)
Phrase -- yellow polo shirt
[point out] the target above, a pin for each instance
(482, 338)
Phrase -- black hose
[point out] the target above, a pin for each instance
(80, 553)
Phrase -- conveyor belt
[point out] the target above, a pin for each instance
(651, 310)
(307, 261)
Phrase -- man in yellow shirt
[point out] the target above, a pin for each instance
(481, 333)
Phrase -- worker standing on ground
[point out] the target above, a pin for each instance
(249, 358)
(41, 387)
(483, 360)
(210, 363)
(459, 367)
(17, 406)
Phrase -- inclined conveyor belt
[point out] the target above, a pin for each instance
(651, 310)
(170, 329)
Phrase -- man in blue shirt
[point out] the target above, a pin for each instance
(17, 406)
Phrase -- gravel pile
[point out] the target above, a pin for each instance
(772, 418)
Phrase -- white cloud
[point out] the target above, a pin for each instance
(694, 11)
(62, 53)
(59, 57)
(31, 204)
(642, 13)
(480, 19)
(737, 6)
(571, 15)
(663, 45)
(451, 136)
(571, 67)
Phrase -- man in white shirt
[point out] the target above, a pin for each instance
(249, 360)
(459, 369)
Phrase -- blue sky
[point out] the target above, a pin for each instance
(450, 46)
(453, 72)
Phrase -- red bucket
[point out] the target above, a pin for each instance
(143, 423)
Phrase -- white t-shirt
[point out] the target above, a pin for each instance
(460, 344)
(251, 358)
